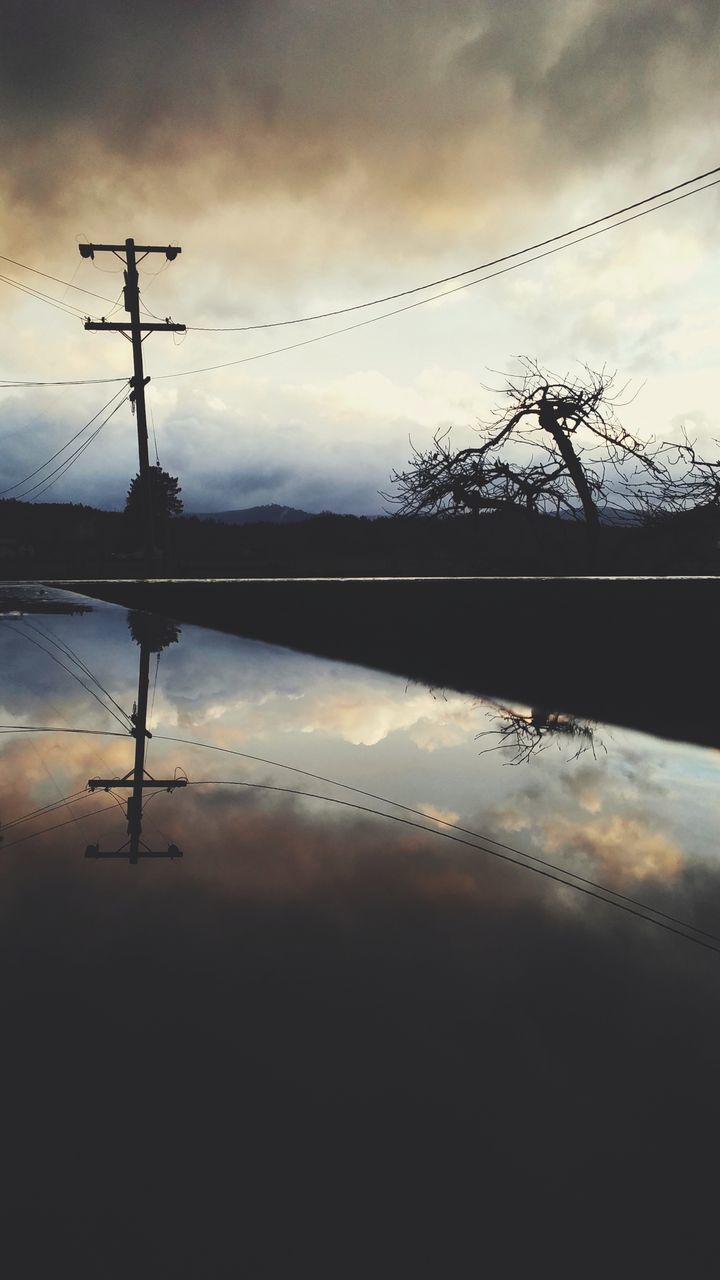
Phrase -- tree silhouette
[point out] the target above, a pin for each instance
(554, 446)
(687, 484)
(166, 500)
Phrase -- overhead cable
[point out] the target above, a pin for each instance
(68, 283)
(483, 266)
(80, 817)
(62, 449)
(8, 383)
(421, 302)
(67, 308)
(520, 254)
(59, 728)
(52, 478)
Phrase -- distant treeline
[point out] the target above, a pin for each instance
(60, 539)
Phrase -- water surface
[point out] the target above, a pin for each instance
(327, 1028)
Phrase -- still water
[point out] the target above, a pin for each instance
(362, 1008)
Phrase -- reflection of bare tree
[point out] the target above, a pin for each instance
(527, 732)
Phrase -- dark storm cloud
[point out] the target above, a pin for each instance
(420, 102)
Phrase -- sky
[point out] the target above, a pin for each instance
(308, 156)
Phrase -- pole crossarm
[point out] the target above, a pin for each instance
(164, 784)
(94, 851)
(170, 250)
(119, 327)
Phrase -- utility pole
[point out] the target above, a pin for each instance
(137, 780)
(134, 330)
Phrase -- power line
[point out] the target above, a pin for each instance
(421, 302)
(483, 266)
(520, 253)
(60, 471)
(154, 433)
(68, 283)
(494, 853)
(133, 329)
(514, 265)
(59, 728)
(8, 383)
(62, 449)
(68, 309)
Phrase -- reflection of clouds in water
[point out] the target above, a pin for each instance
(442, 815)
(363, 727)
(599, 824)
(362, 711)
(625, 848)
(319, 986)
(588, 795)
(352, 1003)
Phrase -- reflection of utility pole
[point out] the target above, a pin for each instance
(137, 780)
(134, 330)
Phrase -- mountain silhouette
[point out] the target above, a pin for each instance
(271, 513)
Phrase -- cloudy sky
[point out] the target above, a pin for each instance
(308, 156)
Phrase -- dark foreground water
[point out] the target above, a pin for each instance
(327, 1040)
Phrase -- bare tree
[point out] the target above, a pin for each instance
(528, 732)
(554, 446)
(684, 484)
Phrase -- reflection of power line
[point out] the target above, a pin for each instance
(65, 648)
(346, 786)
(74, 676)
(137, 780)
(43, 810)
(443, 822)
(620, 901)
(562, 875)
(80, 817)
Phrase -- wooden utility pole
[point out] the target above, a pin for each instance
(136, 780)
(134, 331)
